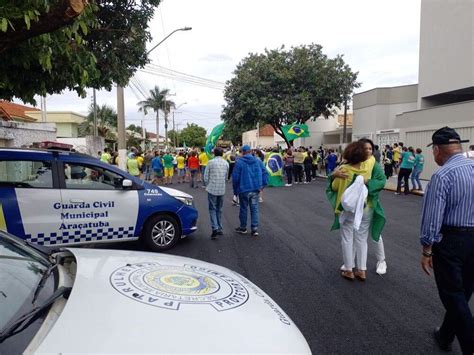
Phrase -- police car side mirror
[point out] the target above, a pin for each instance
(127, 183)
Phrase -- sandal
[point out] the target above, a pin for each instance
(360, 274)
(348, 275)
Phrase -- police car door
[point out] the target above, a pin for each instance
(30, 201)
(96, 207)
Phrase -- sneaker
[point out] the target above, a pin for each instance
(214, 235)
(241, 230)
(220, 232)
(255, 233)
(381, 267)
(260, 200)
(397, 193)
(288, 185)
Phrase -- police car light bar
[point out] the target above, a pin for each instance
(55, 145)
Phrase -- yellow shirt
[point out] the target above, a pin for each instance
(368, 165)
(340, 185)
(140, 161)
(180, 160)
(203, 159)
(396, 153)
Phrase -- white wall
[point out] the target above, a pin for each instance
(446, 46)
(17, 134)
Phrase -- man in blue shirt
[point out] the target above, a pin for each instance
(248, 179)
(447, 238)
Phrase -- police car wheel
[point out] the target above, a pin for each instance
(162, 232)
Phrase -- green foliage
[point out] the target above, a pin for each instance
(282, 87)
(43, 51)
(135, 128)
(106, 122)
(193, 135)
(175, 138)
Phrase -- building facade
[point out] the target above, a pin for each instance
(262, 138)
(444, 95)
(67, 123)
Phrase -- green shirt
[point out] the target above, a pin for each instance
(168, 161)
(419, 161)
(408, 160)
(132, 166)
(105, 157)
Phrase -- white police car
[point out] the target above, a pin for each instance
(82, 301)
(59, 197)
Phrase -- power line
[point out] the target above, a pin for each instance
(184, 80)
(171, 71)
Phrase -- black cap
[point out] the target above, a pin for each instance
(445, 136)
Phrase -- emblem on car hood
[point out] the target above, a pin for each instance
(170, 286)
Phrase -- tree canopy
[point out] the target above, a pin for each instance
(193, 135)
(281, 87)
(51, 45)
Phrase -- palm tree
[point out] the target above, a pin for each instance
(106, 122)
(156, 102)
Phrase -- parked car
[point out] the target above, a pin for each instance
(51, 197)
(59, 301)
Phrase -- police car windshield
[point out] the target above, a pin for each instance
(21, 269)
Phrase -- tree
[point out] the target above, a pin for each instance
(283, 87)
(134, 128)
(132, 138)
(193, 135)
(174, 137)
(156, 102)
(51, 45)
(106, 122)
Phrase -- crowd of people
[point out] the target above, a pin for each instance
(355, 179)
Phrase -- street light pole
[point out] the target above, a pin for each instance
(122, 146)
(175, 133)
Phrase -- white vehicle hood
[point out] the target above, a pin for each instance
(139, 302)
(175, 193)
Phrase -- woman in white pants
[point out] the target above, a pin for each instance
(374, 178)
(375, 185)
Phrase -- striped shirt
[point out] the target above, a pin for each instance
(215, 176)
(449, 199)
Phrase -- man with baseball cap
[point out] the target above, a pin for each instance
(248, 179)
(447, 237)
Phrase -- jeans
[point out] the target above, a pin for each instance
(193, 173)
(203, 170)
(403, 174)
(453, 265)
(289, 174)
(298, 171)
(249, 199)
(415, 178)
(307, 172)
(148, 172)
(215, 211)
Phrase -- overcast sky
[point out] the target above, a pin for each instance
(378, 38)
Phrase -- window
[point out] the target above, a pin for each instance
(88, 177)
(21, 173)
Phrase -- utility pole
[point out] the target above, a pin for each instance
(96, 133)
(43, 108)
(258, 133)
(344, 129)
(177, 134)
(122, 144)
(174, 130)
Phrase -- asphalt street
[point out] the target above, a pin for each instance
(296, 261)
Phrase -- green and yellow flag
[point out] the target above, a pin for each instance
(293, 131)
(213, 138)
(274, 166)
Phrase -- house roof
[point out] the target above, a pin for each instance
(10, 111)
(266, 131)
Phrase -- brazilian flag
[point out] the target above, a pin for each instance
(274, 166)
(293, 131)
(213, 138)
